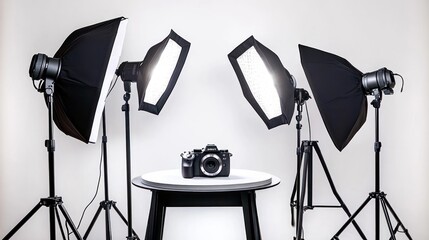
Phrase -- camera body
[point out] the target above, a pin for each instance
(206, 162)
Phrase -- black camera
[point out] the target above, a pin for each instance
(206, 162)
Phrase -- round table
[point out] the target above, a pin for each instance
(170, 189)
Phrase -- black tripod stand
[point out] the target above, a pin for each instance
(53, 202)
(305, 185)
(378, 195)
(107, 204)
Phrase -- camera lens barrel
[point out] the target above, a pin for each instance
(211, 165)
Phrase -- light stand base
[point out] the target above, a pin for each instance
(306, 187)
(381, 196)
(378, 195)
(107, 206)
(51, 202)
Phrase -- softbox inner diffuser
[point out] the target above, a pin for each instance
(337, 89)
(265, 83)
(89, 57)
(158, 73)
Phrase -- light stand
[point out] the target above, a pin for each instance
(302, 186)
(156, 77)
(378, 195)
(53, 202)
(107, 204)
(340, 92)
(80, 73)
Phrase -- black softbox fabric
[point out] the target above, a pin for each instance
(337, 89)
(282, 80)
(85, 56)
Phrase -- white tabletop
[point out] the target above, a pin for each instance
(238, 179)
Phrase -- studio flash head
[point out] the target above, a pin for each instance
(382, 79)
(43, 67)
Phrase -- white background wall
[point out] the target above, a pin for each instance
(207, 106)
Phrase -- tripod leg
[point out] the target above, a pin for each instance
(386, 215)
(91, 225)
(396, 229)
(352, 217)
(300, 217)
(70, 222)
(123, 218)
(23, 221)
(59, 223)
(292, 202)
(397, 219)
(334, 190)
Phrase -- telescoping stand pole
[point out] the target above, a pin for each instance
(126, 109)
(53, 202)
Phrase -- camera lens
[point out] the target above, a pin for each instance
(211, 165)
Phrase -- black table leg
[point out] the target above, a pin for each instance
(155, 225)
(250, 215)
(163, 199)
